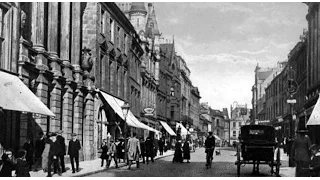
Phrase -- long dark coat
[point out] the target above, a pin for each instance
(149, 147)
(161, 144)
(29, 148)
(178, 152)
(39, 147)
(61, 140)
(143, 148)
(74, 147)
(7, 166)
(315, 164)
(186, 150)
(120, 150)
(54, 149)
(300, 152)
(22, 168)
(104, 153)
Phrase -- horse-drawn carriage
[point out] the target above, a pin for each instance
(257, 145)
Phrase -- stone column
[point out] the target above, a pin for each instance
(126, 87)
(37, 36)
(67, 111)
(55, 103)
(89, 147)
(113, 65)
(120, 80)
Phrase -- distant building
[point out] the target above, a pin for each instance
(240, 115)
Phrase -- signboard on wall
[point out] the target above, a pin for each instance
(148, 111)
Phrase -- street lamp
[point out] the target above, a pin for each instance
(125, 109)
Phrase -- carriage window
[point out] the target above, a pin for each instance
(256, 132)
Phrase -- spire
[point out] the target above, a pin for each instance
(152, 28)
(138, 7)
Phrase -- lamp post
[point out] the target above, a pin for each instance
(125, 109)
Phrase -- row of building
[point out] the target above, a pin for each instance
(83, 61)
(285, 96)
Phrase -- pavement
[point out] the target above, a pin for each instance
(94, 166)
(91, 167)
(285, 170)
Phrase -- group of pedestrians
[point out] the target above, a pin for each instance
(136, 149)
(182, 151)
(48, 155)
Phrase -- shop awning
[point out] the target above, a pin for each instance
(116, 104)
(314, 118)
(168, 128)
(16, 96)
(184, 131)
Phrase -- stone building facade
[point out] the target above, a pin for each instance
(67, 53)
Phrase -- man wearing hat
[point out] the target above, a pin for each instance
(53, 154)
(62, 152)
(73, 151)
(300, 152)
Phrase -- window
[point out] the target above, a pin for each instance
(234, 133)
(125, 44)
(118, 38)
(217, 122)
(112, 30)
(102, 22)
(172, 112)
(234, 124)
(6, 21)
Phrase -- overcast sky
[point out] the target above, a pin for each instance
(223, 42)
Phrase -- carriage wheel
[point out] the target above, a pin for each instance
(238, 162)
(278, 163)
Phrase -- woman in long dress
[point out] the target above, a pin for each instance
(178, 152)
(186, 151)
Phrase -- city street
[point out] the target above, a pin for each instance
(223, 166)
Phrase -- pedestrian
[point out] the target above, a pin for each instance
(149, 149)
(120, 149)
(73, 151)
(62, 152)
(177, 157)
(7, 164)
(28, 146)
(104, 153)
(285, 145)
(186, 151)
(133, 150)
(45, 153)
(156, 146)
(300, 153)
(315, 161)
(22, 167)
(161, 146)
(143, 150)
(39, 148)
(112, 152)
(53, 154)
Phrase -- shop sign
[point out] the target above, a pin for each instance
(148, 111)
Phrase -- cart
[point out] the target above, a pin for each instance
(257, 145)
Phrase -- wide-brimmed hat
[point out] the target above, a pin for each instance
(73, 134)
(60, 132)
(314, 147)
(50, 134)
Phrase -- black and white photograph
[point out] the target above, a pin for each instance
(159, 89)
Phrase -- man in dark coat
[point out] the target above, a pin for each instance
(161, 146)
(7, 164)
(120, 149)
(149, 149)
(73, 151)
(143, 149)
(53, 154)
(156, 146)
(62, 152)
(28, 146)
(39, 147)
(300, 152)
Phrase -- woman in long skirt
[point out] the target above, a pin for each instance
(178, 152)
(186, 151)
